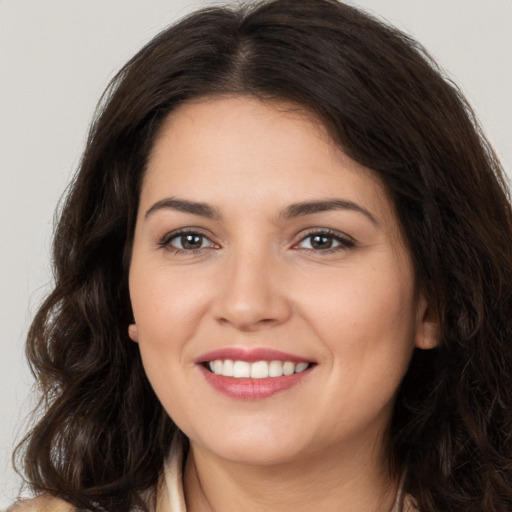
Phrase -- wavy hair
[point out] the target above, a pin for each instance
(102, 435)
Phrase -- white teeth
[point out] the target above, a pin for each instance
(228, 368)
(275, 369)
(257, 370)
(217, 367)
(242, 369)
(299, 367)
(288, 368)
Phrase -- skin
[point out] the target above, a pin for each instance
(257, 281)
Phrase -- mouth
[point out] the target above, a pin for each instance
(239, 369)
(252, 374)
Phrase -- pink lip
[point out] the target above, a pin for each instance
(252, 389)
(250, 355)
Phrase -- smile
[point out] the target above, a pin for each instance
(256, 370)
(253, 374)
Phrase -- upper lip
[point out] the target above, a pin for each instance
(250, 355)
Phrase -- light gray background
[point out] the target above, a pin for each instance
(56, 57)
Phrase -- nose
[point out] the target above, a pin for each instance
(252, 295)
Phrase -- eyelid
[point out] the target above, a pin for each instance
(345, 241)
(165, 240)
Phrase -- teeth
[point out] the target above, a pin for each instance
(241, 369)
(228, 368)
(217, 366)
(300, 367)
(275, 369)
(257, 370)
(288, 368)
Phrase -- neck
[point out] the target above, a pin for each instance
(354, 480)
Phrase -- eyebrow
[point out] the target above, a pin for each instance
(291, 211)
(310, 207)
(182, 205)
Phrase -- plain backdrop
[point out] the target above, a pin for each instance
(56, 57)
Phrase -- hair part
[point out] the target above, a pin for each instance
(103, 436)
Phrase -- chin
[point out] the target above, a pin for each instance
(261, 448)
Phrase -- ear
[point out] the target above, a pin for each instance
(428, 328)
(133, 332)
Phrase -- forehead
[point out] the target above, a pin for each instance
(221, 149)
(230, 118)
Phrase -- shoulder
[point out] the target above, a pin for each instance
(41, 504)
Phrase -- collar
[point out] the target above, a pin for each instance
(170, 497)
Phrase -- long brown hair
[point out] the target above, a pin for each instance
(103, 435)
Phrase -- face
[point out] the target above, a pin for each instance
(274, 300)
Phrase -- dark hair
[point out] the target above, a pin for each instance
(103, 435)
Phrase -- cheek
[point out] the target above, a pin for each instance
(166, 318)
(368, 300)
(367, 323)
(165, 307)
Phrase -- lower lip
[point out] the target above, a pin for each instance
(252, 389)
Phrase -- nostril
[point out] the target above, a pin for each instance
(247, 324)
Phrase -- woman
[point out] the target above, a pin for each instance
(283, 281)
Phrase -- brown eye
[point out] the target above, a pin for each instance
(321, 242)
(191, 241)
(188, 242)
(324, 241)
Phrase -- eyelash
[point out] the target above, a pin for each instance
(343, 242)
(165, 243)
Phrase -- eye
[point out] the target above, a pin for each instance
(188, 241)
(324, 241)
